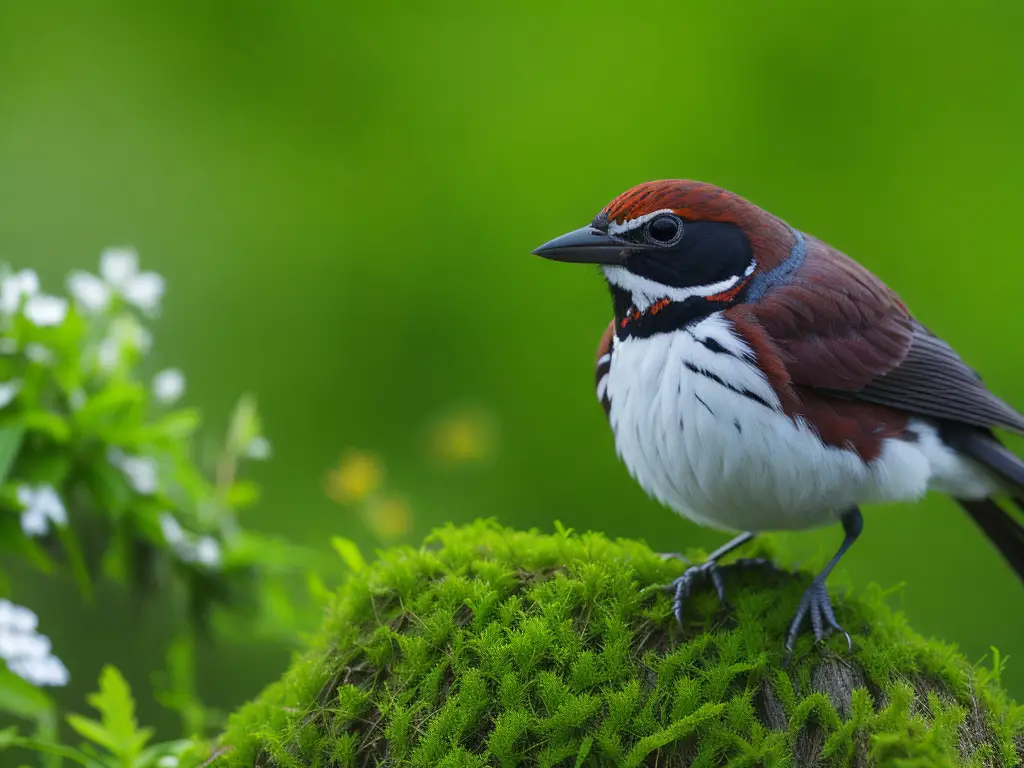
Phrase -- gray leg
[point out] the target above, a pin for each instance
(815, 602)
(683, 586)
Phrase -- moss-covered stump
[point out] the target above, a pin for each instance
(489, 646)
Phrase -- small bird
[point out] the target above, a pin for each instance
(757, 379)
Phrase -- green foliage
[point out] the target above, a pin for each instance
(488, 646)
(113, 741)
(99, 477)
(112, 456)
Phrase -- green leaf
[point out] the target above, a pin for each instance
(94, 731)
(177, 425)
(117, 731)
(245, 425)
(50, 424)
(9, 739)
(20, 698)
(241, 494)
(113, 410)
(69, 541)
(349, 552)
(10, 442)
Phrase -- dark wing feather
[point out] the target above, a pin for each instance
(843, 332)
(933, 380)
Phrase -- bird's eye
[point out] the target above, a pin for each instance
(665, 230)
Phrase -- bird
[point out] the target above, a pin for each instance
(757, 379)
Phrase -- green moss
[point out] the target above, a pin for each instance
(494, 647)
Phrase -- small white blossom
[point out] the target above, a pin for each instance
(43, 310)
(15, 287)
(207, 552)
(117, 265)
(8, 391)
(141, 472)
(145, 291)
(89, 292)
(44, 671)
(16, 617)
(125, 334)
(120, 268)
(169, 386)
(173, 533)
(37, 353)
(168, 761)
(258, 449)
(76, 399)
(8, 346)
(43, 506)
(26, 652)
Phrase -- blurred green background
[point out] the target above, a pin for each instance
(343, 198)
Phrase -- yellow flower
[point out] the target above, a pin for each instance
(357, 475)
(463, 436)
(390, 517)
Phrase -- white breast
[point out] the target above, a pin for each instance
(716, 447)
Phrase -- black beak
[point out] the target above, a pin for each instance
(587, 245)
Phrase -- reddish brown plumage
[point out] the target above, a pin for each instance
(832, 327)
(697, 201)
(839, 422)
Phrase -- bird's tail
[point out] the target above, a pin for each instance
(1002, 528)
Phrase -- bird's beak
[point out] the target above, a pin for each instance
(587, 245)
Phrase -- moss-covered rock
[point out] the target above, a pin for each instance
(489, 646)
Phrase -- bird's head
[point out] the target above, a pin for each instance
(674, 250)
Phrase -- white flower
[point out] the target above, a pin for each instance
(26, 652)
(168, 386)
(117, 265)
(145, 291)
(8, 346)
(16, 286)
(16, 617)
(41, 671)
(37, 353)
(141, 472)
(43, 506)
(43, 310)
(173, 533)
(258, 449)
(168, 761)
(120, 268)
(125, 334)
(207, 552)
(89, 292)
(76, 399)
(8, 391)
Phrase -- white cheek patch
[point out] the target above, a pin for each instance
(646, 292)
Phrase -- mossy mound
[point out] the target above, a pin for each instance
(489, 646)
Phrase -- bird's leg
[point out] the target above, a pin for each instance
(710, 569)
(815, 602)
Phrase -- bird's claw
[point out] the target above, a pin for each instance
(817, 605)
(682, 587)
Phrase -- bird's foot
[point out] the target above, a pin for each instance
(814, 604)
(682, 587)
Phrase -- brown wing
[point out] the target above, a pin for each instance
(839, 330)
(603, 364)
